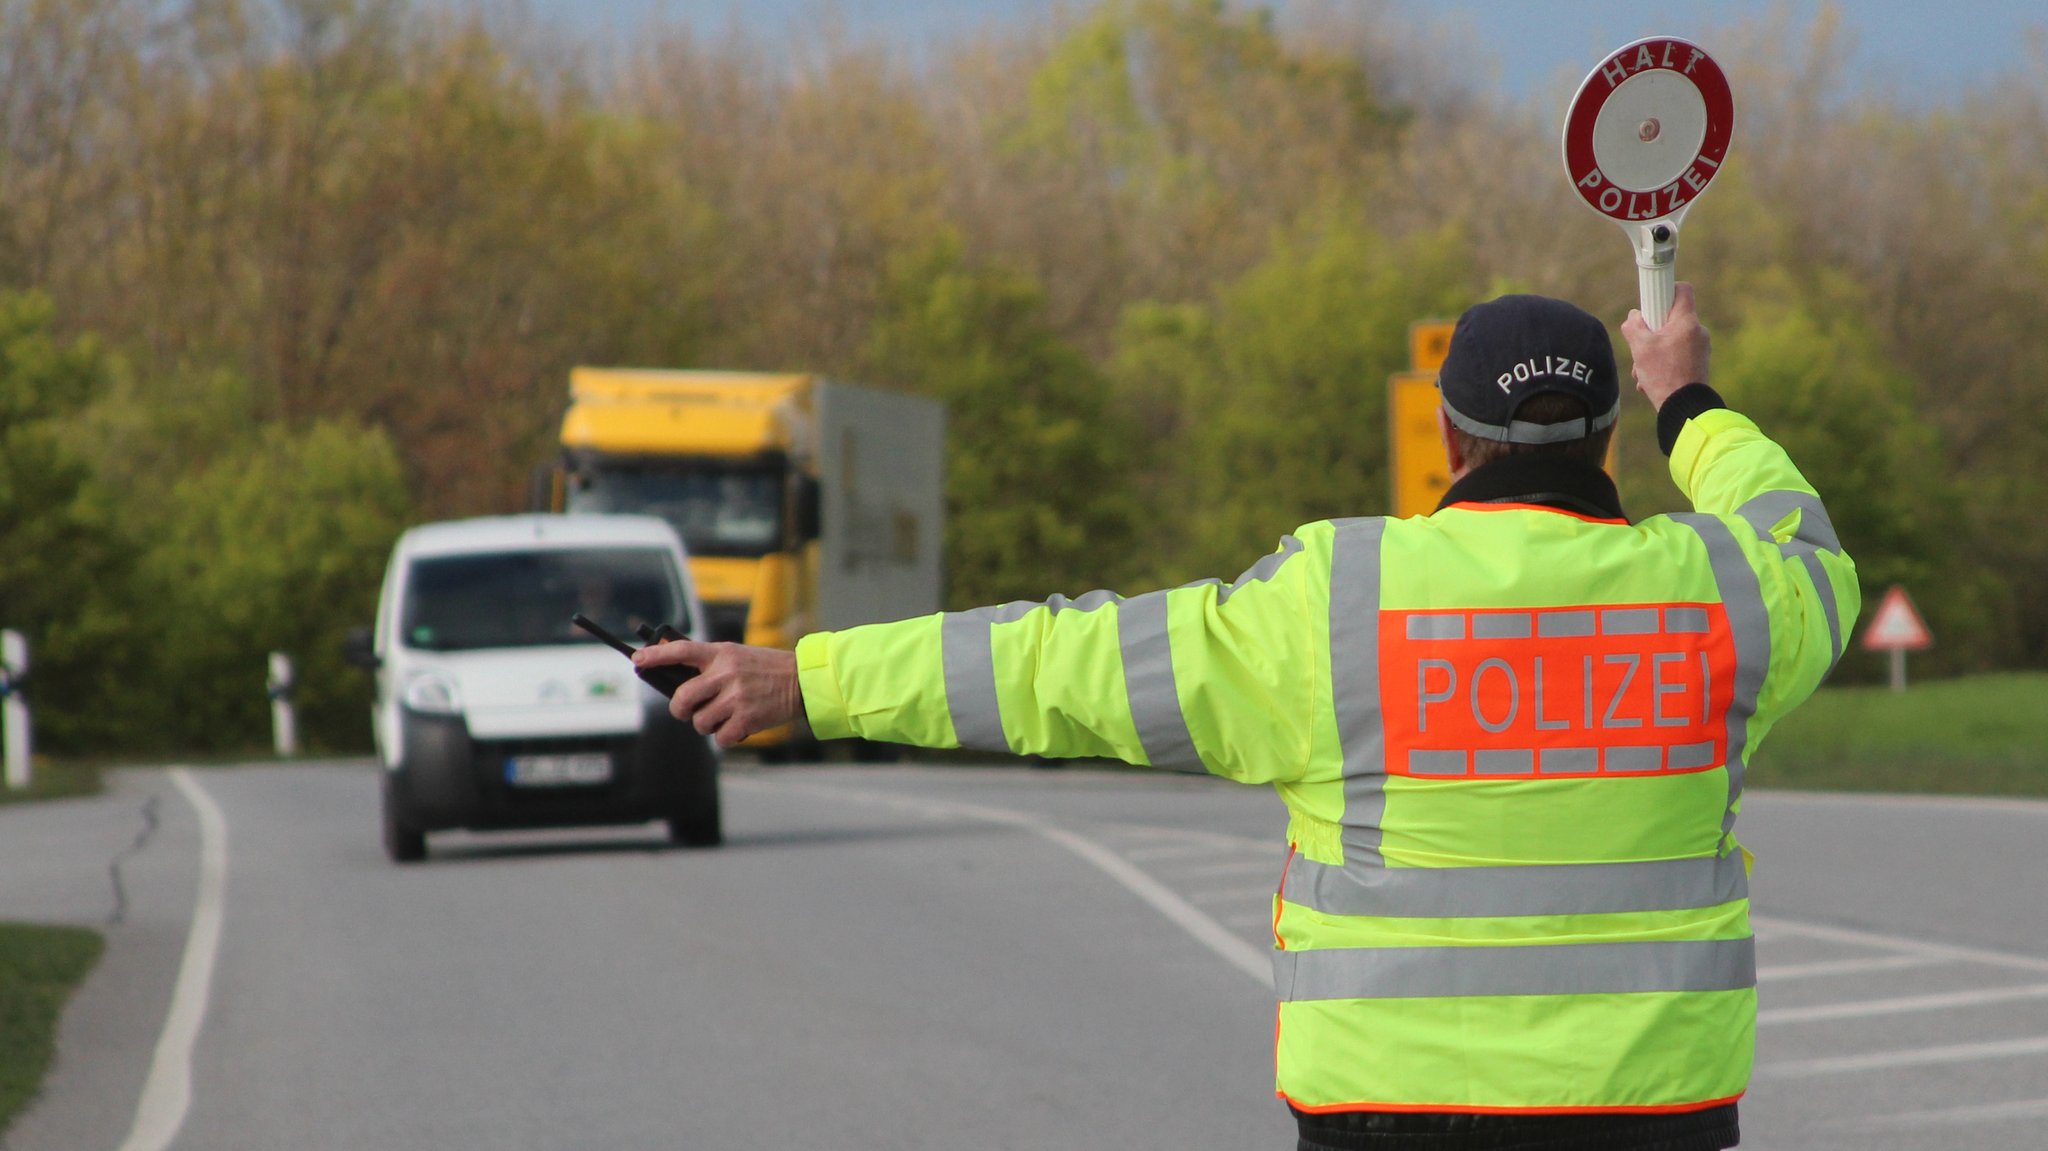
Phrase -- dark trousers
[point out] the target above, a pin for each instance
(1711, 1129)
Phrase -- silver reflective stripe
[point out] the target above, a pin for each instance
(1816, 533)
(1533, 969)
(1635, 758)
(1503, 625)
(1579, 759)
(1564, 624)
(1685, 756)
(1435, 626)
(1629, 621)
(1436, 763)
(1685, 620)
(1148, 678)
(1767, 510)
(1825, 588)
(1265, 569)
(1520, 761)
(1524, 432)
(1750, 623)
(965, 647)
(1537, 889)
(1147, 646)
(1355, 681)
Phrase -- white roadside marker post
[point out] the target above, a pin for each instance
(284, 725)
(14, 707)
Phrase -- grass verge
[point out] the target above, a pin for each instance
(39, 968)
(55, 779)
(1975, 735)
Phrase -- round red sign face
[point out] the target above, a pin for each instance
(1648, 129)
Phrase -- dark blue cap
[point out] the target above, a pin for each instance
(1507, 350)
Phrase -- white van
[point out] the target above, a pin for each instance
(494, 711)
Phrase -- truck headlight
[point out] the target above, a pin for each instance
(431, 694)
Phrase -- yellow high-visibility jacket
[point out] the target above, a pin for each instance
(1511, 739)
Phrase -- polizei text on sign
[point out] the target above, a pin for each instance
(1647, 88)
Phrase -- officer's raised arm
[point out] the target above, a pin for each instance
(1730, 469)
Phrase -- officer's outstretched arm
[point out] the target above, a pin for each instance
(1208, 677)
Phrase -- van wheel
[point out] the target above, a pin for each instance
(696, 829)
(695, 821)
(403, 842)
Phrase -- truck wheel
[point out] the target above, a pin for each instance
(696, 821)
(403, 842)
(872, 751)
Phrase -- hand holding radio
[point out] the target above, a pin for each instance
(664, 679)
(733, 690)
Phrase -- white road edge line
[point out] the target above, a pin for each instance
(1167, 851)
(1950, 1116)
(1908, 1057)
(1227, 945)
(1900, 943)
(167, 1093)
(1848, 967)
(1864, 1009)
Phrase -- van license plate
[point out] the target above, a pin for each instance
(558, 770)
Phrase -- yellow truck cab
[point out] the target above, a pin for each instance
(805, 503)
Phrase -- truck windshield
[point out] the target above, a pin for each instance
(719, 512)
(525, 598)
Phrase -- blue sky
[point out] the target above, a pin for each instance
(1923, 50)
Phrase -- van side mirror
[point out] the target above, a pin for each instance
(809, 510)
(359, 648)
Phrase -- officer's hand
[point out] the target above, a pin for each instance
(1672, 356)
(738, 690)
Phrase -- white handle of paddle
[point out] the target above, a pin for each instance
(1656, 268)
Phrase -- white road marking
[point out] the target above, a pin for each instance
(1187, 839)
(1846, 967)
(1171, 851)
(1869, 1007)
(167, 1093)
(1947, 1116)
(1231, 867)
(1909, 1057)
(1902, 944)
(1260, 895)
(1226, 944)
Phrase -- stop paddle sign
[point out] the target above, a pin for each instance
(1646, 132)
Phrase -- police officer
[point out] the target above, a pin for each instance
(1510, 735)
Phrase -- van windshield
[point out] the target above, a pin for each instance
(525, 598)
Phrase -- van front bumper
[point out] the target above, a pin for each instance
(446, 779)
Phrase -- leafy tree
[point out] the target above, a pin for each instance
(277, 547)
(1820, 381)
(1036, 456)
(64, 581)
(1272, 401)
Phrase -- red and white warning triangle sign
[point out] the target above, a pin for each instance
(1897, 626)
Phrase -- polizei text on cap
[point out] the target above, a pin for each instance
(1536, 367)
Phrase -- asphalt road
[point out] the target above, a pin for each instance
(897, 958)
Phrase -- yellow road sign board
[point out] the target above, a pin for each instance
(1416, 461)
(1428, 342)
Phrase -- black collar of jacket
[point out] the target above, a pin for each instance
(1548, 481)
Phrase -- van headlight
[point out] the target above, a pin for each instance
(431, 694)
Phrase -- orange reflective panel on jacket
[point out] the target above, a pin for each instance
(1556, 692)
